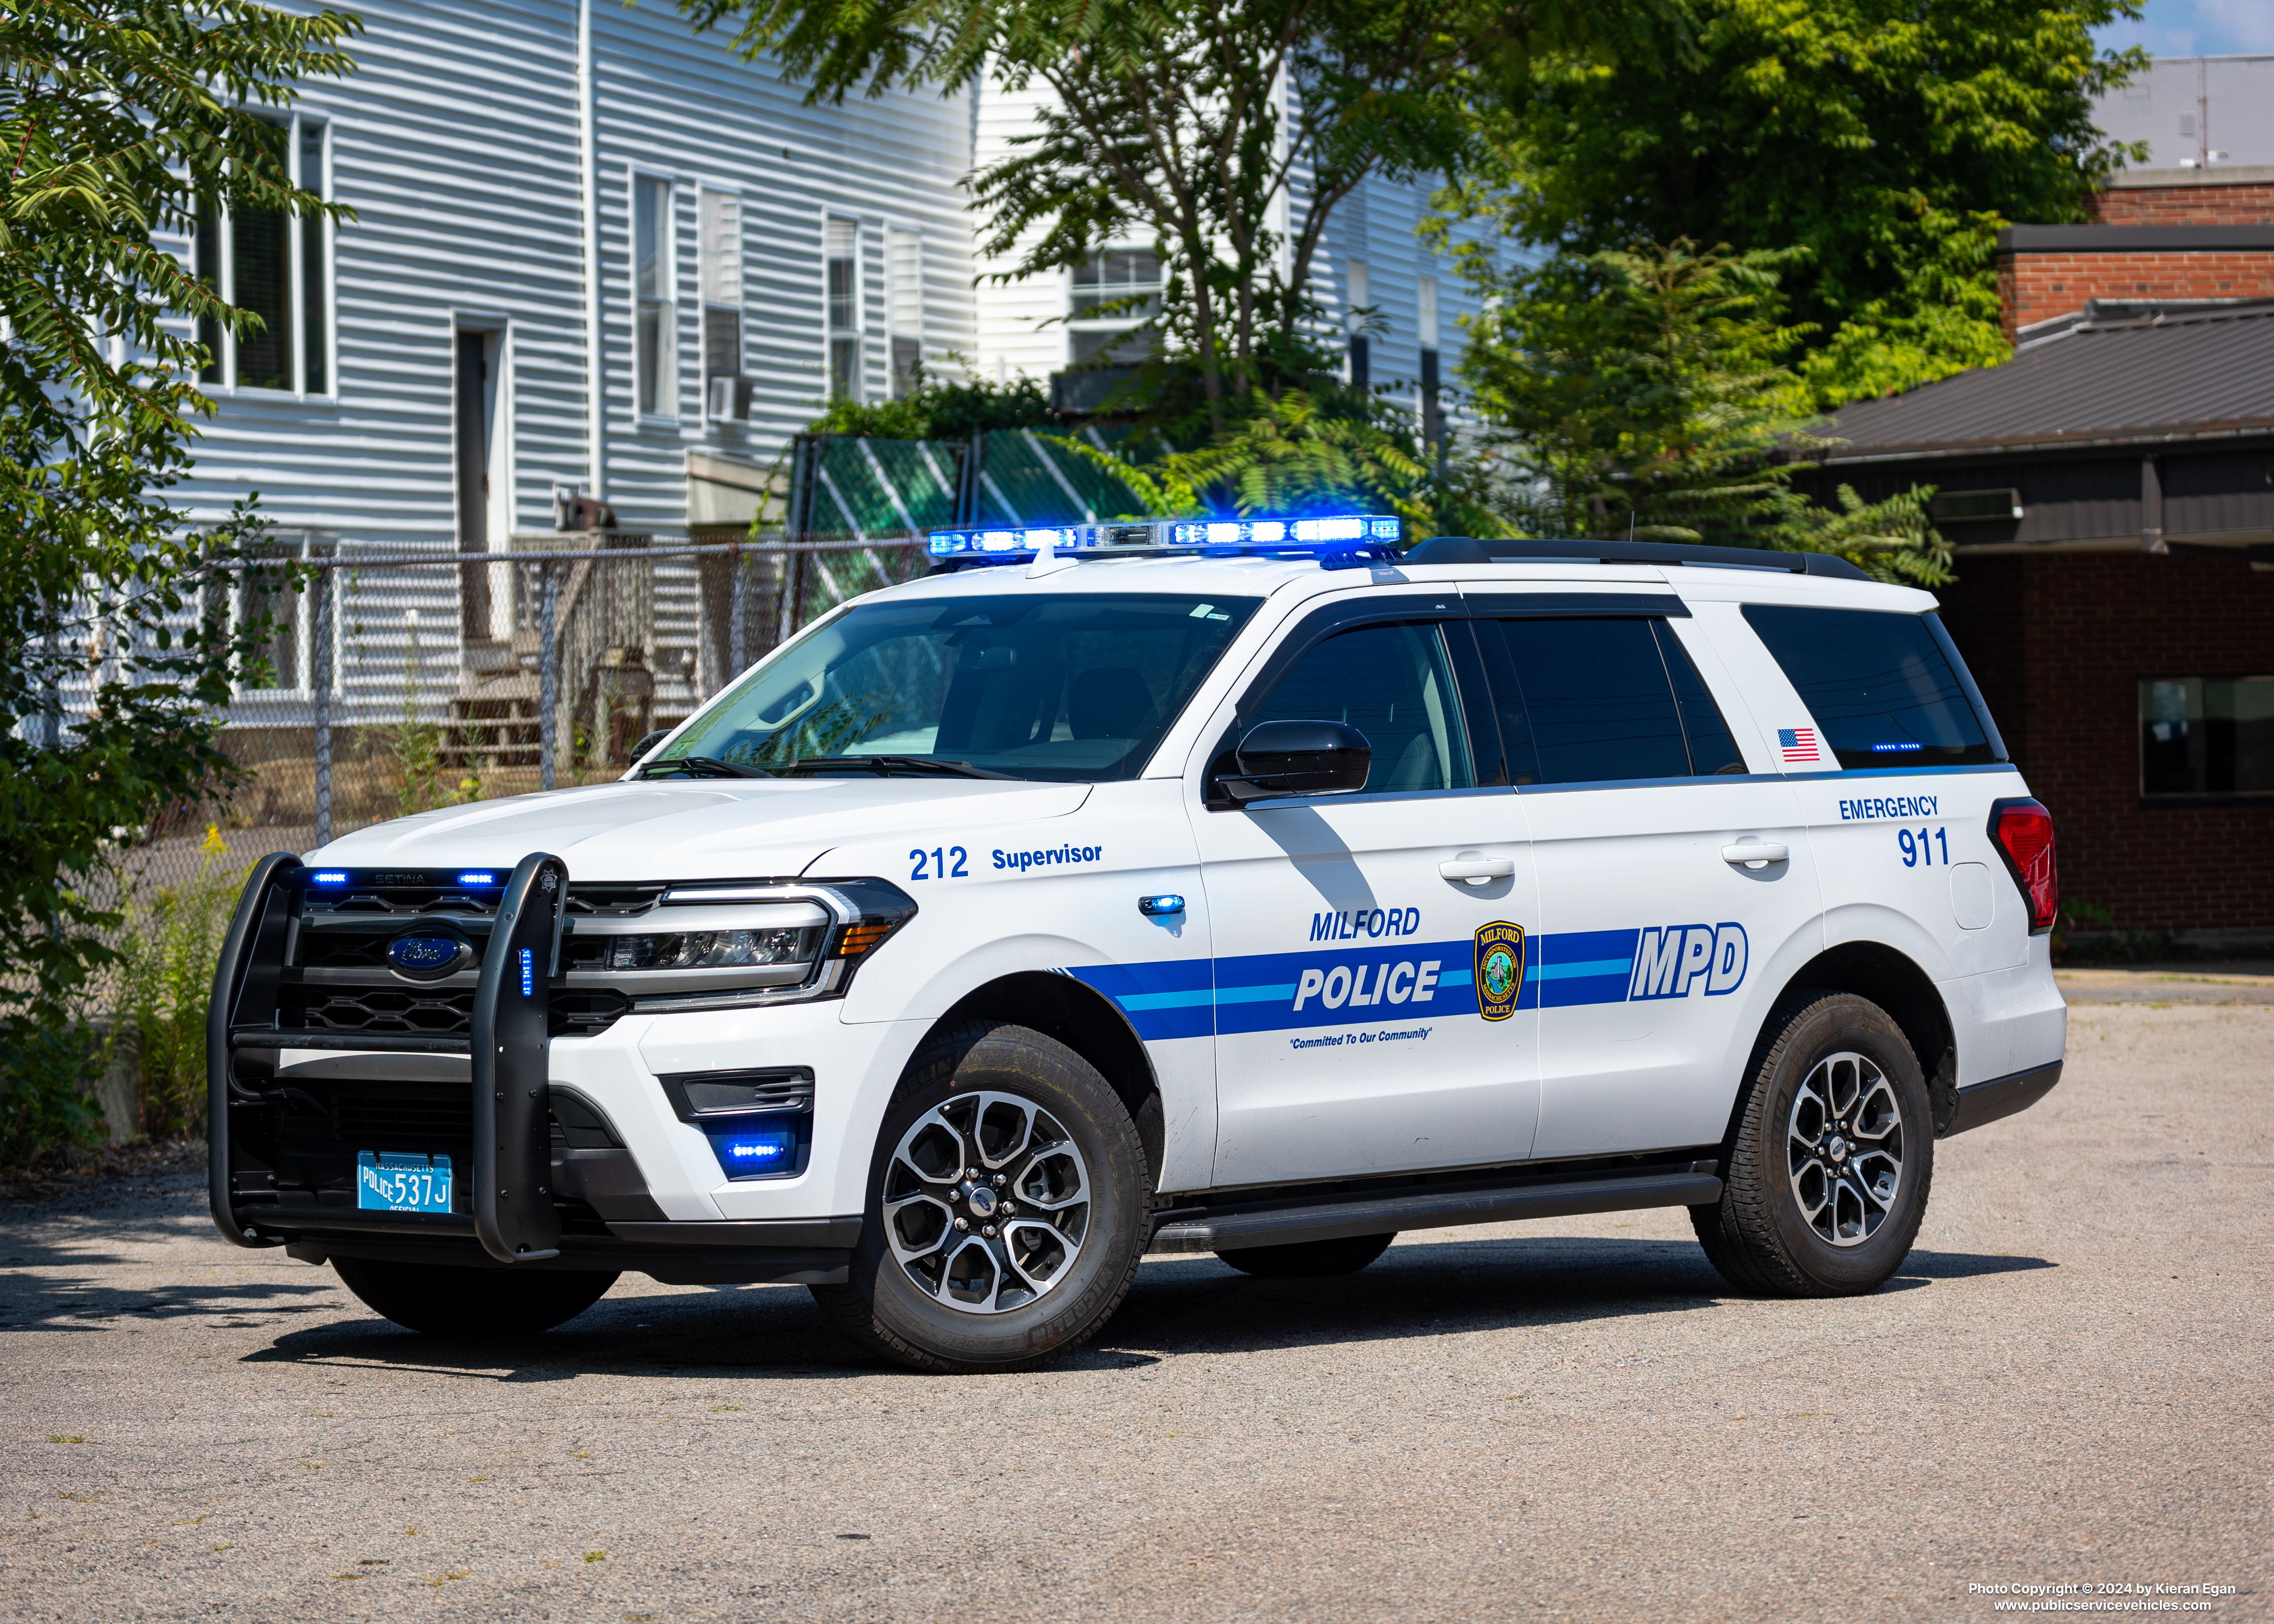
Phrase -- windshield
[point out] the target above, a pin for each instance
(1071, 689)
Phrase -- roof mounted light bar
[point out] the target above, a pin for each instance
(1335, 538)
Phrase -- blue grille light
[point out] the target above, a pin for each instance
(478, 879)
(746, 1152)
(330, 877)
(528, 973)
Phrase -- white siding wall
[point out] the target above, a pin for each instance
(457, 144)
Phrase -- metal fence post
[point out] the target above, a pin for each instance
(319, 681)
(738, 619)
(548, 679)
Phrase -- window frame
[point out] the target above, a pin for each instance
(705, 280)
(295, 123)
(667, 378)
(856, 336)
(1113, 330)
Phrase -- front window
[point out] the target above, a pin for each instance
(1115, 294)
(652, 279)
(843, 267)
(1072, 689)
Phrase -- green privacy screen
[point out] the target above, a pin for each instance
(890, 487)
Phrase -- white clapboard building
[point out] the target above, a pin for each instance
(594, 251)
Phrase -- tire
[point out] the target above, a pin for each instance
(1825, 1174)
(443, 1300)
(1308, 1259)
(982, 1095)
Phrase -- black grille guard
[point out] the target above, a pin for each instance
(514, 1215)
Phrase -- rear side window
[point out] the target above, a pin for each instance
(1584, 701)
(1879, 685)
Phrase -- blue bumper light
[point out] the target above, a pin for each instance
(761, 1150)
(330, 877)
(478, 879)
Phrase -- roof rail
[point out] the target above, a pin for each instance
(1468, 550)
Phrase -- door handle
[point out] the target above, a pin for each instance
(1755, 853)
(1478, 870)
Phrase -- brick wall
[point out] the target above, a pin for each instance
(2058, 645)
(2184, 206)
(2036, 287)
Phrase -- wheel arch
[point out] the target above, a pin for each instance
(1086, 1021)
(1895, 982)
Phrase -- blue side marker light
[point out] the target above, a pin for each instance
(528, 973)
(330, 877)
(1898, 747)
(478, 879)
(1168, 902)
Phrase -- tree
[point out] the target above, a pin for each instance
(1642, 394)
(1886, 140)
(1225, 132)
(120, 117)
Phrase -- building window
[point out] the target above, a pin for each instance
(1115, 293)
(654, 321)
(904, 308)
(1361, 343)
(1425, 329)
(2206, 736)
(279, 268)
(721, 216)
(841, 246)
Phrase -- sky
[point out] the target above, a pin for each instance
(2197, 28)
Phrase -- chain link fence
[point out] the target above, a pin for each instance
(400, 682)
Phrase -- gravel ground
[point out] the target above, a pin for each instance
(2069, 1382)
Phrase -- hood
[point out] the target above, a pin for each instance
(692, 829)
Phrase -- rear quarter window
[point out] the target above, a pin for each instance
(1882, 686)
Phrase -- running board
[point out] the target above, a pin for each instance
(1428, 1209)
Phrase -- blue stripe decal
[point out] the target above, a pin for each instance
(1349, 985)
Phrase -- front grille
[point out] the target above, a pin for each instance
(362, 1115)
(611, 901)
(395, 1010)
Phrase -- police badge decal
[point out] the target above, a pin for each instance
(1499, 970)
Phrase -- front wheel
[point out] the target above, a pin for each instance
(446, 1300)
(1006, 1216)
(1824, 1178)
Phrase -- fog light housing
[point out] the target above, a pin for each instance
(764, 1147)
(759, 1121)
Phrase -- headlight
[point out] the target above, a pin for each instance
(731, 944)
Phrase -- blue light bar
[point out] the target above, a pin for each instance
(478, 879)
(330, 877)
(1325, 537)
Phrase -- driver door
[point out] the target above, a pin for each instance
(1349, 1040)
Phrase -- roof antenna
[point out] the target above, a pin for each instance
(1631, 527)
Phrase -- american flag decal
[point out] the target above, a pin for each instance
(1798, 744)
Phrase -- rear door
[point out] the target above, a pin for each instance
(1662, 932)
(1351, 1039)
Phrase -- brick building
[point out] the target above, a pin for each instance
(2110, 492)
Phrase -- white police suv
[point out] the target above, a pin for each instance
(1246, 888)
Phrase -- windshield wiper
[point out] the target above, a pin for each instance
(703, 767)
(885, 766)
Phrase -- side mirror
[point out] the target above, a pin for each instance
(648, 743)
(1300, 758)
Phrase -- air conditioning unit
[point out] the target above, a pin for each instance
(730, 399)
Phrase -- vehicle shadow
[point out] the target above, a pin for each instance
(1178, 1306)
(77, 1288)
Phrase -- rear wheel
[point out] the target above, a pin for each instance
(1308, 1259)
(1006, 1208)
(444, 1300)
(1825, 1180)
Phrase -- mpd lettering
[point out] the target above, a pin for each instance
(1676, 961)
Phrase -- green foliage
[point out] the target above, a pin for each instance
(1885, 140)
(44, 1069)
(1308, 449)
(122, 115)
(1643, 394)
(1184, 123)
(937, 410)
(165, 983)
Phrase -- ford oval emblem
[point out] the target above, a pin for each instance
(425, 956)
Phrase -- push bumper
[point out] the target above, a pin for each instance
(528, 1200)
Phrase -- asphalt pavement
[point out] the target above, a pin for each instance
(2067, 1384)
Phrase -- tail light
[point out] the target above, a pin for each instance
(2022, 830)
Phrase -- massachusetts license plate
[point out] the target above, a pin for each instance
(394, 1180)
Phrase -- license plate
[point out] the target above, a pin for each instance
(394, 1180)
